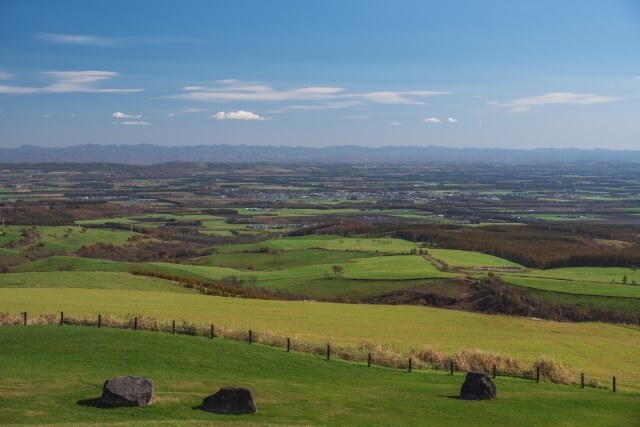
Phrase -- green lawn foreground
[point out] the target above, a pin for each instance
(53, 375)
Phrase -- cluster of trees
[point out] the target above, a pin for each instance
(141, 251)
(531, 245)
(228, 287)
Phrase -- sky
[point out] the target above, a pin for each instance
(507, 74)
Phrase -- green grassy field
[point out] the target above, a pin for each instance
(61, 238)
(598, 349)
(335, 243)
(468, 259)
(364, 274)
(575, 286)
(89, 280)
(290, 388)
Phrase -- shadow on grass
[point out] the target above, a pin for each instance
(94, 403)
(450, 397)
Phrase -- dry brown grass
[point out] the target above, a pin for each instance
(422, 358)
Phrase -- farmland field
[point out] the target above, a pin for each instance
(66, 382)
(583, 346)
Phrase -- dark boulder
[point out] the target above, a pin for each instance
(478, 386)
(230, 401)
(128, 391)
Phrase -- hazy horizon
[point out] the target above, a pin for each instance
(458, 74)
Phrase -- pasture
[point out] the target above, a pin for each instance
(596, 348)
(290, 388)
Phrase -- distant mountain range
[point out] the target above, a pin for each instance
(148, 154)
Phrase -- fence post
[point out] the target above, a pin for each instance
(582, 380)
(451, 368)
(250, 336)
(135, 323)
(328, 351)
(173, 326)
(614, 384)
(494, 371)
(538, 374)
(61, 318)
(211, 334)
(369, 361)
(410, 365)
(288, 344)
(24, 318)
(99, 320)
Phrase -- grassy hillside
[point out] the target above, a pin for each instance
(65, 381)
(468, 259)
(89, 280)
(598, 349)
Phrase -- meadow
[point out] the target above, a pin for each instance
(66, 381)
(599, 349)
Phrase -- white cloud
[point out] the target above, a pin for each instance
(237, 115)
(452, 119)
(396, 124)
(432, 120)
(520, 105)
(78, 39)
(5, 76)
(171, 114)
(98, 41)
(193, 110)
(46, 116)
(135, 123)
(234, 90)
(356, 117)
(69, 82)
(119, 115)
(324, 106)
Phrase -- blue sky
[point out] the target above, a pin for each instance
(516, 74)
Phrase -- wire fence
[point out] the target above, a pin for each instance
(542, 370)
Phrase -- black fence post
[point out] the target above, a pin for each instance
(212, 331)
(288, 344)
(369, 361)
(494, 371)
(614, 384)
(61, 318)
(410, 365)
(451, 368)
(328, 351)
(538, 374)
(582, 380)
(135, 323)
(99, 320)
(250, 336)
(24, 318)
(173, 326)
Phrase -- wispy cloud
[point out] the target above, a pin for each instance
(5, 76)
(100, 41)
(77, 39)
(237, 115)
(119, 115)
(69, 82)
(133, 123)
(232, 90)
(520, 105)
(432, 120)
(396, 124)
(452, 120)
(193, 110)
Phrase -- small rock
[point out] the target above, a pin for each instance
(231, 401)
(478, 386)
(128, 391)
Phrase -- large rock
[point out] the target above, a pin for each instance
(478, 386)
(128, 391)
(231, 400)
